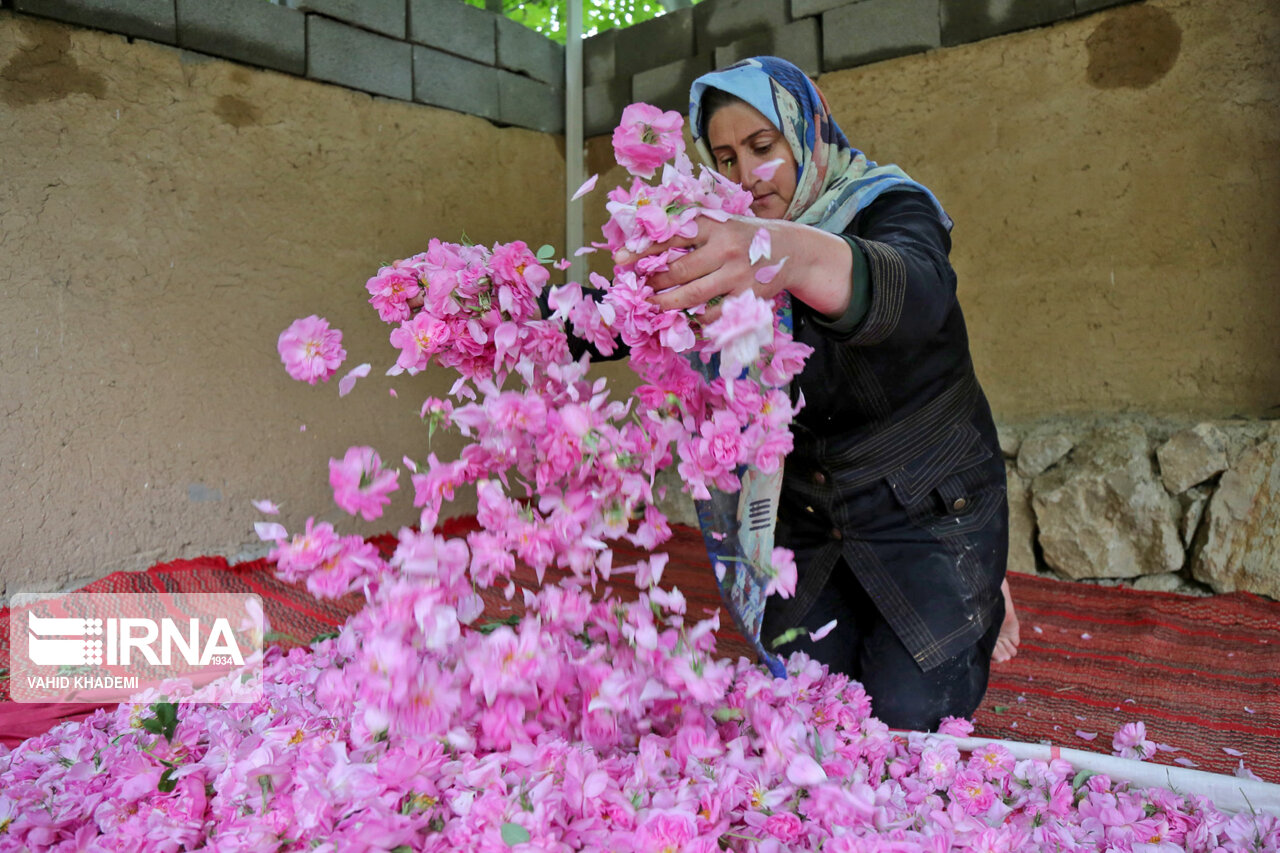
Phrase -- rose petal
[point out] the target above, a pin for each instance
(267, 507)
(764, 275)
(1243, 772)
(587, 186)
(392, 392)
(720, 570)
(760, 246)
(270, 531)
(346, 383)
(585, 250)
(1086, 636)
(1185, 762)
(563, 264)
(302, 428)
(766, 171)
(1086, 735)
(823, 631)
(1234, 753)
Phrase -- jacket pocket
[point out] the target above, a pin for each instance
(947, 489)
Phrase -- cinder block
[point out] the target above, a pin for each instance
(247, 31)
(148, 19)
(381, 16)
(878, 29)
(804, 8)
(799, 42)
(721, 22)
(602, 105)
(965, 21)
(359, 59)
(455, 83)
(668, 87)
(659, 41)
(522, 50)
(455, 27)
(1086, 6)
(528, 103)
(597, 57)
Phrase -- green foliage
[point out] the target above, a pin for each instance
(550, 17)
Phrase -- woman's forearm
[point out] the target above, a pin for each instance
(819, 267)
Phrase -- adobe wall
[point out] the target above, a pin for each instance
(163, 217)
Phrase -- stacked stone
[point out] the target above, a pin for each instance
(1093, 501)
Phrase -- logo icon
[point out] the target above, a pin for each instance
(53, 641)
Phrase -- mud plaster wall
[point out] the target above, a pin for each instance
(162, 219)
(1115, 183)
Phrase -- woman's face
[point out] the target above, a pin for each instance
(741, 139)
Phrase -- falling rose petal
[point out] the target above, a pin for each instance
(1037, 629)
(1185, 762)
(1086, 735)
(346, 383)
(302, 428)
(760, 246)
(1014, 724)
(267, 507)
(585, 250)
(270, 531)
(1234, 753)
(1164, 747)
(1086, 636)
(1022, 698)
(395, 370)
(823, 631)
(766, 171)
(563, 264)
(720, 570)
(718, 536)
(587, 186)
(1130, 702)
(1249, 710)
(1080, 718)
(392, 392)
(764, 275)
(1243, 772)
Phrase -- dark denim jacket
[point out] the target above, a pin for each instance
(896, 466)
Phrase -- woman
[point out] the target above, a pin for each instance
(893, 498)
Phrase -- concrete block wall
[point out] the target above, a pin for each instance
(655, 61)
(448, 54)
(444, 53)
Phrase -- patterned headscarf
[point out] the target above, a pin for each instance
(834, 181)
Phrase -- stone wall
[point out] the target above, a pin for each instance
(163, 216)
(1140, 500)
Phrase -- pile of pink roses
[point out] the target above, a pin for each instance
(588, 723)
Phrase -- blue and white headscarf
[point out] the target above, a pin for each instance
(833, 183)
(834, 180)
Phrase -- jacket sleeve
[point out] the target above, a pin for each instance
(912, 287)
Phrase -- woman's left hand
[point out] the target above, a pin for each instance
(817, 271)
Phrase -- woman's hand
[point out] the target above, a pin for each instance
(818, 269)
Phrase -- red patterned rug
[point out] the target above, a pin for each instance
(1202, 673)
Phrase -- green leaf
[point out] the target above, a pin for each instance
(327, 635)
(167, 782)
(489, 626)
(786, 637)
(274, 636)
(724, 715)
(402, 848)
(514, 833)
(1000, 709)
(1080, 778)
(546, 252)
(164, 722)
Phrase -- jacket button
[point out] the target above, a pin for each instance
(819, 478)
(836, 534)
(959, 504)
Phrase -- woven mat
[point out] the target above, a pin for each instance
(1202, 673)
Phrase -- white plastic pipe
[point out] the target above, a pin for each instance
(1228, 793)
(574, 169)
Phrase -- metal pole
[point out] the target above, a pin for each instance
(574, 154)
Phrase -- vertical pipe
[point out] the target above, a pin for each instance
(573, 140)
